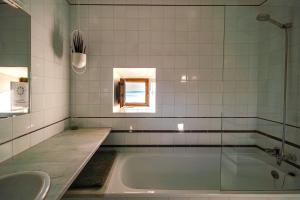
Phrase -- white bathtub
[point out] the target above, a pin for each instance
(195, 172)
(171, 171)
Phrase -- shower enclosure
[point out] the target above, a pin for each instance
(260, 46)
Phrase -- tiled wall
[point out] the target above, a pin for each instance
(50, 80)
(240, 62)
(177, 41)
(233, 63)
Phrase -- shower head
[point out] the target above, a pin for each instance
(264, 17)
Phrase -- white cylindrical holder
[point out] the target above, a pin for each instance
(79, 60)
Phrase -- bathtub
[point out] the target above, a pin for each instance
(195, 172)
(169, 171)
(200, 171)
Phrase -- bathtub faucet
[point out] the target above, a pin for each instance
(273, 152)
(280, 157)
(276, 152)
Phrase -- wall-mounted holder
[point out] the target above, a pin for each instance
(78, 62)
(78, 57)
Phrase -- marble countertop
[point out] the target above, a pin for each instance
(62, 157)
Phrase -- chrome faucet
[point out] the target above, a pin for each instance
(280, 157)
(274, 151)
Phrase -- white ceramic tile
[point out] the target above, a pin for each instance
(21, 144)
(5, 151)
(21, 125)
(6, 129)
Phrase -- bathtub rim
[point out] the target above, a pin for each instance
(108, 191)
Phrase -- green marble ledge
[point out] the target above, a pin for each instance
(62, 157)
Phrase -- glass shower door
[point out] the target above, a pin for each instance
(252, 103)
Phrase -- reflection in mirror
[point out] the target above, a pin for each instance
(14, 90)
(15, 60)
(14, 37)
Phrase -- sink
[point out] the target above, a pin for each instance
(29, 185)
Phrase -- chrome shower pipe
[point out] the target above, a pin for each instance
(284, 114)
(267, 18)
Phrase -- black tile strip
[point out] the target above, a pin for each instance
(278, 139)
(298, 127)
(163, 5)
(185, 131)
(35, 130)
(269, 136)
(293, 164)
(216, 117)
(259, 147)
(264, 2)
(269, 120)
(175, 145)
(208, 131)
(126, 4)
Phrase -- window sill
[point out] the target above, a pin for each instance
(141, 109)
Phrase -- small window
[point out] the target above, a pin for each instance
(134, 92)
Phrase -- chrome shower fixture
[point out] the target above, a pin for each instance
(12, 3)
(264, 17)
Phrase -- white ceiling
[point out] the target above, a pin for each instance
(171, 2)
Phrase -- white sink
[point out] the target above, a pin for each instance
(31, 185)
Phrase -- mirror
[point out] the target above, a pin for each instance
(15, 60)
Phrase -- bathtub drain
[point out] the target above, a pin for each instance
(275, 174)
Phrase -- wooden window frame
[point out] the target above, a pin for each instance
(123, 91)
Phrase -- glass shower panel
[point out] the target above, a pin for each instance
(292, 148)
(251, 88)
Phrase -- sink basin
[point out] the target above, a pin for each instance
(31, 185)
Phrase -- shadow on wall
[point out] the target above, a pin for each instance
(57, 36)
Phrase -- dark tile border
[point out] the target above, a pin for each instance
(144, 117)
(209, 131)
(185, 131)
(277, 122)
(35, 130)
(278, 139)
(107, 4)
(213, 117)
(174, 145)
